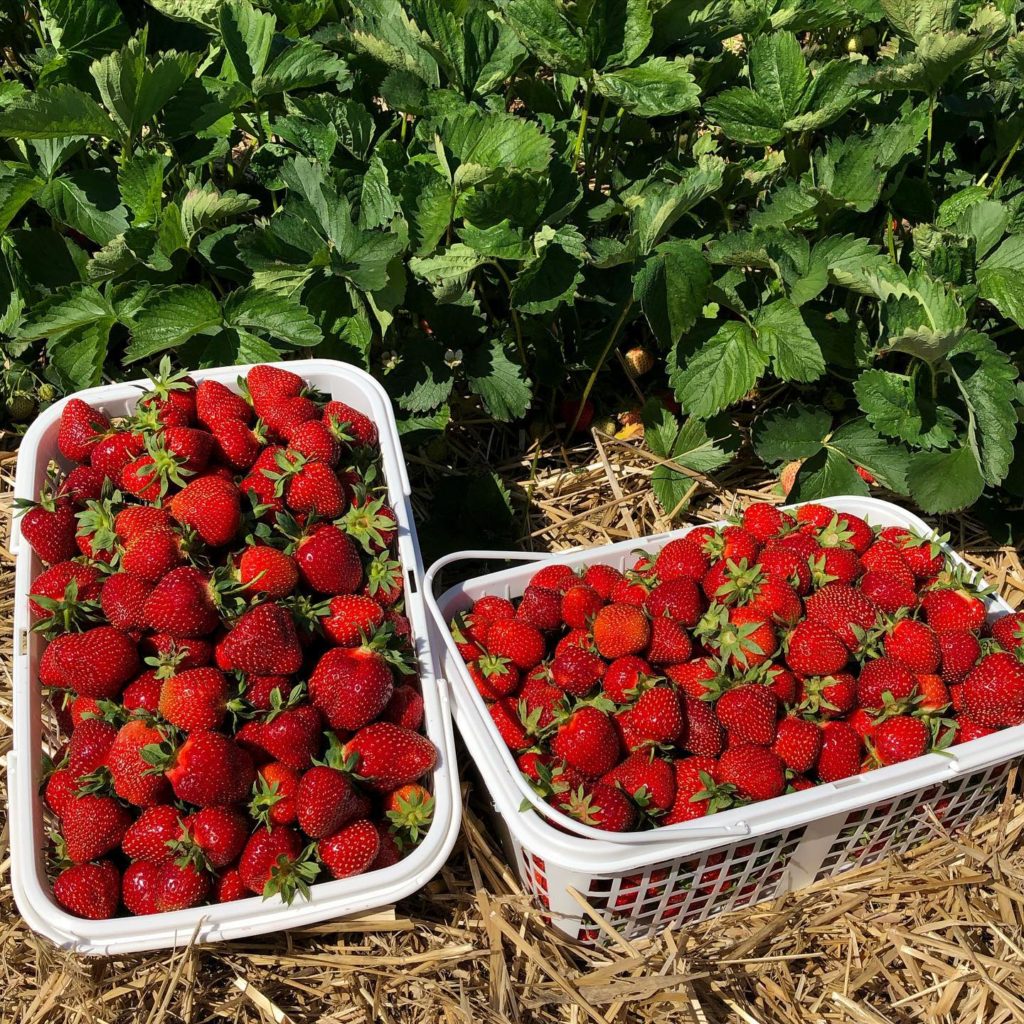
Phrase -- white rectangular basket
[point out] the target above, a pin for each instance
(246, 917)
(645, 881)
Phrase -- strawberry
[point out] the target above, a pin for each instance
(844, 610)
(776, 601)
(328, 561)
(218, 836)
(349, 426)
(890, 592)
(695, 777)
(351, 850)
(112, 453)
(172, 397)
(649, 780)
(693, 676)
(143, 693)
(89, 745)
(680, 600)
(749, 713)
(266, 570)
(123, 599)
(587, 741)
(730, 544)
(933, 691)
(915, 645)
(83, 484)
(863, 722)
(207, 768)
(993, 693)
(602, 579)
(884, 556)
(353, 618)
(798, 743)
(658, 716)
(755, 772)
(285, 414)
(519, 642)
(841, 750)
(60, 789)
(212, 507)
(1008, 632)
(372, 524)
(766, 522)
(556, 576)
(578, 606)
(152, 835)
(134, 520)
(92, 826)
(744, 637)
(264, 642)
(406, 708)
(967, 730)
(576, 670)
(314, 441)
(195, 699)
(193, 448)
(324, 801)
(267, 384)
(600, 806)
(505, 716)
(351, 686)
(836, 565)
(814, 514)
(291, 735)
(541, 608)
(81, 427)
(307, 487)
(153, 554)
(539, 701)
(271, 864)
(953, 609)
(273, 801)
(157, 888)
(89, 890)
(814, 650)
(388, 756)
(182, 604)
(624, 678)
(228, 887)
(574, 638)
(884, 676)
(96, 663)
(65, 596)
(682, 557)
(215, 403)
(409, 810)
(829, 696)
(900, 738)
(49, 528)
(130, 768)
(669, 643)
(384, 580)
(786, 565)
(190, 652)
(924, 557)
(491, 608)
(236, 444)
(704, 733)
(621, 629)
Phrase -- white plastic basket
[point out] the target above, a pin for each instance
(691, 871)
(246, 917)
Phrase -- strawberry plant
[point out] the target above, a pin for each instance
(786, 216)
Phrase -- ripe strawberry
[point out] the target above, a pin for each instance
(1008, 632)
(270, 863)
(669, 644)
(836, 565)
(649, 780)
(695, 777)
(96, 663)
(172, 397)
(814, 514)
(266, 570)
(351, 850)
(693, 677)
(325, 801)
(264, 642)
(749, 713)
(292, 735)
(217, 836)
(814, 650)
(900, 738)
(766, 522)
(658, 716)
(405, 708)
(798, 743)
(81, 427)
(268, 384)
(884, 556)
(730, 544)
(49, 528)
(53, 584)
(191, 652)
(555, 577)
(409, 810)
(112, 453)
(884, 676)
(134, 520)
(192, 447)
(92, 891)
(541, 608)
(587, 740)
(924, 557)
(602, 578)
(207, 768)
(92, 826)
(350, 426)
(786, 565)
(576, 670)
(505, 716)
(228, 887)
(844, 610)
(143, 693)
(890, 592)
(745, 638)
(153, 554)
(157, 888)
(933, 692)
(704, 733)
(830, 696)
(756, 772)
(123, 599)
(600, 806)
(680, 600)
(351, 686)
(967, 730)
(273, 801)
(953, 609)
(384, 580)
(682, 557)
(521, 643)
(621, 629)
(129, 768)
(328, 561)
(215, 403)
(915, 645)
(314, 441)
(195, 700)
(574, 638)
(993, 692)
(182, 604)
(153, 833)
(491, 609)
(61, 788)
(353, 618)
(777, 601)
(89, 745)
(81, 485)
(578, 606)
(308, 487)
(841, 750)
(388, 756)
(212, 507)
(624, 678)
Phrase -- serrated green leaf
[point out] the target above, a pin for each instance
(303, 65)
(384, 30)
(422, 380)
(73, 307)
(656, 88)
(88, 201)
(377, 204)
(452, 265)
(141, 181)
(783, 335)
(500, 241)
(825, 475)
(721, 372)
(661, 203)
(1000, 279)
(494, 375)
(18, 184)
(945, 481)
(84, 29)
(53, 113)
(779, 72)
(745, 116)
(548, 281)
(247, 35)
(892, 406)
(671, 287)
(171, 317)
(77, 357)
(282, 317)
(790, 434)
(885, 460)
(548, 33)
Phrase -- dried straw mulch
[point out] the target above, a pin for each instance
(934, 937)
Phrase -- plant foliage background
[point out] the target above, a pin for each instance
(812, 210)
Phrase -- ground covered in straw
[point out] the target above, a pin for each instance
(936, 936)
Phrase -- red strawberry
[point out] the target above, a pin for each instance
(134, 520)
(131, 770)
(731, 544)
(777, 601)
(383, 580)
(212, 507)
(603, 579)
(190, 652)
(588, 741)
(353, 619)
(841, 750)
(351, 850)
(292, 735)
(81, 427)
(890, 592)
(540, 608)
(884, 556)
(505, 716)
(92, 826)
(64, 588)
(704, 733)
(218, 834)
(682, 557)
(749, 713)
(96, 663)
(576, 670)
(152, 835)
(351, 686)
(405, 708)
(693, 676)
(264, 642)
(182, 605)
(153, 554)
(967, 730)
(350, 426)
(228, 886)
(556, 576)
(900, 738)
(650, 781)
(766, 522)
(953, 609)
(1007, 631)
(328, 561)
(266, 570)
(61, 788)
(785, 564)
(830, 696)
(844, 610)
(520, 643)
(695, 777)
(756, 772)
(836, 564)
(371, 523)
(112, 453)
(89, 890)
(669, 644)
(578, 606)
(284, 415)
(798, 743)
(172, 399)
(156, 888)
(863, 722)
(193, 447)
(658, 716)
(207, 768)
(123, 599)
(624, 678)
(884, 676)
(621, 629)
(814, 650)
(539, 701)
(924, 557)
(388, 756)
(142, 694)
(268, 383)
(915, 645)
(492, 608)
(49, 528)
(215, 403)
(314, 441)
(89, 745)
(270, 863)
(933, 691)
(600, 806)
(195, 699)
(325, 801)
(273, 801)
(993, 692)
(679, 599)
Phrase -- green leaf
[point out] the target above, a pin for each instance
(450, 267)
(53, 113)
(172, 316)
(746, 116)
(671, 287)
(495, 140)
(247, 35)
(88, 201)
(202, 12)
(885, 460)
(377, 204)
(1000, 279)
(77, 357)
(783, 335)
(661, 203)
(826, 475)
(282, 317)
(303, 65)
(141, 181)
(721, 372)
(73, 307)
(18, 184)
(548, 33)
(945, 481)
(86, 29)
(547, 282)
(656, 88)
(494, 375)
(422, 380)
(779, 73)
(617, 31)
(889, 400)
(790, 434)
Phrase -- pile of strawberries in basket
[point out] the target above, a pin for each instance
(740, 663)
(228, 656)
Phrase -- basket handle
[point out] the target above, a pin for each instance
(479, 556)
